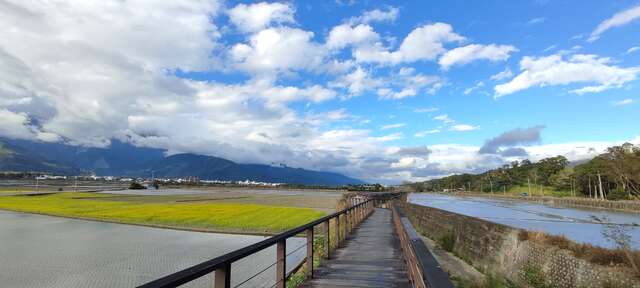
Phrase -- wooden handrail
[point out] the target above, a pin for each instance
(423, 269)
(222, 264)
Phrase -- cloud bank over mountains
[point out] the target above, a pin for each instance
(86, 72)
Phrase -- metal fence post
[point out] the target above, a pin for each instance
(223, 277)
(310, 252)
(281, 267)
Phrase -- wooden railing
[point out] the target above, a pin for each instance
(221, 266)
(423, 269)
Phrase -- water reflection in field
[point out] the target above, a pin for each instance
(44, 251)
(581, 225)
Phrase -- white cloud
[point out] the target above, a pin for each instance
(444, 118)
(535, 21)
(392, 126)
(15, 125)
(623, 102)
(357, 82)
(425, 110)
(81, 75)
(551, 47)
(377, 15)
(344, 35)
(408, 83)
(255, 17)
(423, 43)
(580, 68)
(463, 127)
(633, 49)
(473, 52)
(619, 19)
(421, 134)
(504, 74)
(278, 50)
(470, 90)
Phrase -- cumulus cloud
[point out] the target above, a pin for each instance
(377, 15)
(423, 43)
(579, 68)
(619, 19)
(345, 35)
(408, 83)
(357, 82)
(255, 17)
(276, 50)
(473, 52)
(512, 138)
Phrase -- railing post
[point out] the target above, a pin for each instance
(310, 252)
(351, 218)
(338, 239)
(222, 277)
(281, 266)
(327, 249)
(348, 224)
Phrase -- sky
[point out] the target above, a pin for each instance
(383, 92)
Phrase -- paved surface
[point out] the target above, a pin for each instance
(371, 257)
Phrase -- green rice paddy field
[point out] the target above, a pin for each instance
(206, 216)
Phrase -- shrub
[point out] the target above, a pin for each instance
(136, 186)
(618, 194)
(447, 242)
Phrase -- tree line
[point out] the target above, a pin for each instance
(614, 175)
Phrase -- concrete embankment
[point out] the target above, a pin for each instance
(523, 258)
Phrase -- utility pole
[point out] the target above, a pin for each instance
(504, 190)
(75, 184)
(529, 185)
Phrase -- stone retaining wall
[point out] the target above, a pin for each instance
(496, 249)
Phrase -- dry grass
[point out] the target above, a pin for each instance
(590, 253)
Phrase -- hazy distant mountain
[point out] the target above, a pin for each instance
(117, 159)
(123, 159)
(206, 167)
(17, 159)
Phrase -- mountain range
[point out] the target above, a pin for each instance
(124, 159)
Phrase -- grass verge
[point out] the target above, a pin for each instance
(218, 217)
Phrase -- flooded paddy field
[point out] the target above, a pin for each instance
(580, 225)
(45, 251)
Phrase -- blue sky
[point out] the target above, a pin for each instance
(381, 91)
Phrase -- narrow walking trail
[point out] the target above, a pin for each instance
(371, 257)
